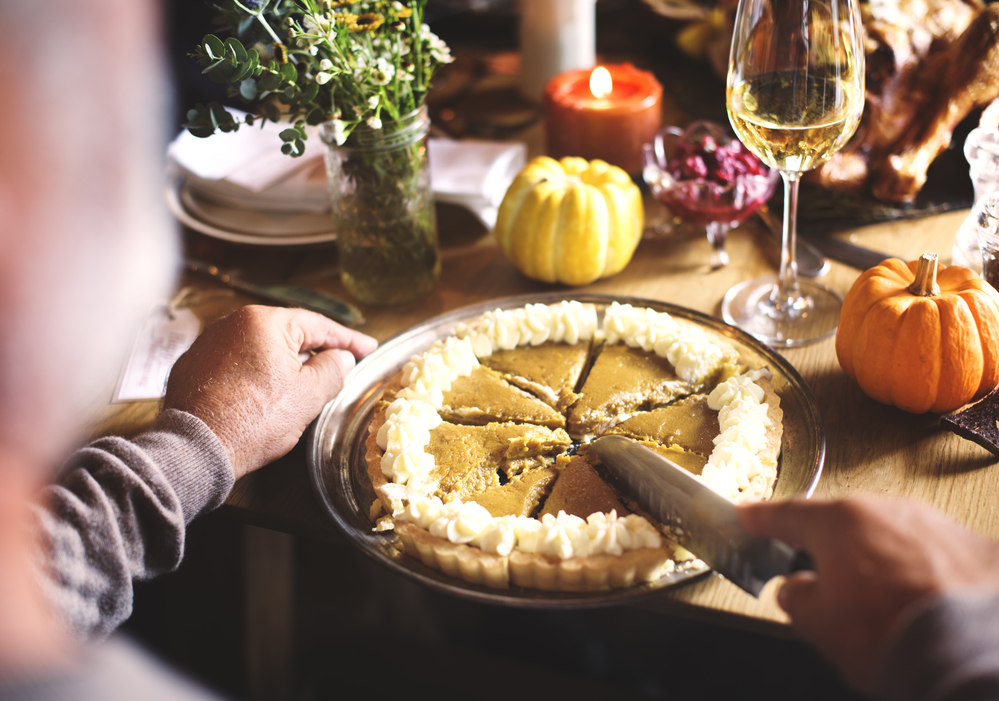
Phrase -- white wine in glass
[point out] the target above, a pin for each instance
(795, 95)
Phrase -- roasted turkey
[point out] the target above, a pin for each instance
(929, 64)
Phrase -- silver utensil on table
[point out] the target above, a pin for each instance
(288, 295)
(810, 261)
(703, 521)
(810, 250)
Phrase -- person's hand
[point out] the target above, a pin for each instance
(245, 378)
(873, 559)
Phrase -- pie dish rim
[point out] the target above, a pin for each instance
(337, 468)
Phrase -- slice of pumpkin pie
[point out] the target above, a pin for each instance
(484, 396)
(623, 380)
(549, 371)
(469, 459)
(688, 424)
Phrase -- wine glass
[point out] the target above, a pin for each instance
(707, 178)
(795, 95)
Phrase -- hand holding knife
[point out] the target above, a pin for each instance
(704, 522)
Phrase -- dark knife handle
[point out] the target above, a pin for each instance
(800, 561)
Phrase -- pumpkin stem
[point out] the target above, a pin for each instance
(925, 284)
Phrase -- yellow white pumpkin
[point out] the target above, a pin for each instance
(571, 221)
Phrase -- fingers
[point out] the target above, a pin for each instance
(798, 593)
(329, 370)
(791, 521)
(316, 332)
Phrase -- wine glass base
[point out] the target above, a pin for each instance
(810, 316)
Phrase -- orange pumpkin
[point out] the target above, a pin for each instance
(920, 336)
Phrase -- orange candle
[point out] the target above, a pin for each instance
(590, 118)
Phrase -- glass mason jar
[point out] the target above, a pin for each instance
(383, 210)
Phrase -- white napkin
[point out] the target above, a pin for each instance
(246, 170)
(474, 174)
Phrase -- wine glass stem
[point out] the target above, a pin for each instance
(717, 232)
(786, 292)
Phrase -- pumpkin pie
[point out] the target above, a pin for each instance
(480, 483)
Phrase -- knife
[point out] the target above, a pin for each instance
(811, 247)
(702, 520)
(289, 295)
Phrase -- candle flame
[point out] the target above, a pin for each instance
(601, 83)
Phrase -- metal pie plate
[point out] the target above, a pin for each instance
(338, 471)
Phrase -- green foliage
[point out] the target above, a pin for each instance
(306, 62)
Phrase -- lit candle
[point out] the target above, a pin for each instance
(607, 112)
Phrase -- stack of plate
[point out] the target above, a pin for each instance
(240, 188)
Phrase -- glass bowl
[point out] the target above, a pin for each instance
(705, 176)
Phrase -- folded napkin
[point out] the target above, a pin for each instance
(246, 170)
(474, 174)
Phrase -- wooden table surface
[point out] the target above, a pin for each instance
(870, 447)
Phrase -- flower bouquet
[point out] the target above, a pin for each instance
(360, 71)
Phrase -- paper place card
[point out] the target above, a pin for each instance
(165, 335)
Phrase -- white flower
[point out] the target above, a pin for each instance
(383, 73)
(373, 101)
(318, 25)
(438, 48)
(339, 131)
(325, 65)
(374, 122)
(323, 78)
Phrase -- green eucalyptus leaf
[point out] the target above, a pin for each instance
(220, 71)
(289, 72)
(315, 117)
(213, 46)
(272, 112)
(222, 118)
(243, 71)
(236, 48)
(286, 149)
(195, 113)
(202, 131)
(310, 91)
(248, 89)
(269, 81)
(289, 134)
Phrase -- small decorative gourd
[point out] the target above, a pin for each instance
(920, 336)
(571, 221)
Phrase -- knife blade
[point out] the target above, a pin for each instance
(289, 295)
(702, 520)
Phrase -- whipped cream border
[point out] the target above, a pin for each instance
(734, 467)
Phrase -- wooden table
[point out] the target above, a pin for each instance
(870, 447)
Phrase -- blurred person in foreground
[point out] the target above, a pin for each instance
(85, 248)
(904, 601)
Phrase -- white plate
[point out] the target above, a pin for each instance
(245, 226)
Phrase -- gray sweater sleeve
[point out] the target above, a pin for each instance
(119, 513)
(949, 651)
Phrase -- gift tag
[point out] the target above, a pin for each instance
(166, 333)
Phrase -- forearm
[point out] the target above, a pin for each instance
(120, 512)
(947, 651)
